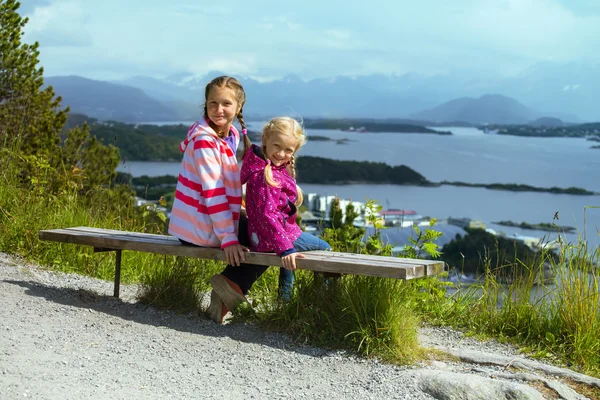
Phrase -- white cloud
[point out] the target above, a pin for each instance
(58, 24)
(266, 38)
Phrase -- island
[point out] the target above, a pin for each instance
(590, 131)
(369, 126)
(544, 226)
(319, 170)
(516, 187)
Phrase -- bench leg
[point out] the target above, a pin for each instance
(118, 274)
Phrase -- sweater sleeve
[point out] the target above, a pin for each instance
(209, 164)
(269, 227)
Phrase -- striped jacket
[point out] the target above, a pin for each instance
(208, 196)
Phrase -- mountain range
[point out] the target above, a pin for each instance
(567, 92)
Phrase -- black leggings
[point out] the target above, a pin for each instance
(246, 274)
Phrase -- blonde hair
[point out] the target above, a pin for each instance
(229, 82)
(289, 127)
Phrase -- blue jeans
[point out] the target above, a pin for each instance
(306, 242)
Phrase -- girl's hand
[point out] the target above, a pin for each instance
(234, 254)
(289, 261)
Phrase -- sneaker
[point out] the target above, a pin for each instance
(217, 310)
(228, 291)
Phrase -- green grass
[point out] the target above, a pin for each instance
(374, 317)
(558, 321)
(365, 315)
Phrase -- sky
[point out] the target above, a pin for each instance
(266, 40)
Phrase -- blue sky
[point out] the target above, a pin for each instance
(114, 39)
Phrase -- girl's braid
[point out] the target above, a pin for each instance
(247, 142)
(293, 167)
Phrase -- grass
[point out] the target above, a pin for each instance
(365, 315)
(374, 317)
(557, 321)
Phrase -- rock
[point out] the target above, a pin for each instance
(444, 385)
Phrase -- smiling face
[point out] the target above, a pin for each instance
(280, 147)
(222, 107)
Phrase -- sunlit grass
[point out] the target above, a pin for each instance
(375, 317)
(366, 315)
(557, 320)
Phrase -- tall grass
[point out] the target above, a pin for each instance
(370, 316)
(558, 319)
(366, 315)
(24, 212)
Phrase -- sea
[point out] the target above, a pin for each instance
(468, 155)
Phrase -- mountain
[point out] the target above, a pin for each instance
(373, 96)
(487, 109)
(565, 91)
(560, 90)
(110, 101)
(568, 92)
(547, 122)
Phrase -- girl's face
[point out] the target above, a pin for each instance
(279, 148)
(222, 107)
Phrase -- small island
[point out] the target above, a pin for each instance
(590, 131)
(516, 187)
(319, 170)
(544, 226)
(369, 126)
(317, 138)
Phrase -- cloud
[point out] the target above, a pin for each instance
(28, 6)
(59, 24)
(265, 38)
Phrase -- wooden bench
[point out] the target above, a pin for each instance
(321, 261)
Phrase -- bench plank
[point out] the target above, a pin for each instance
(322, 261)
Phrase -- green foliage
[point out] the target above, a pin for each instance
(142, 142)
(343, 235)
(374, 244)
(362, 314)
(52, 178)
(326, 171)
(423, 243)
(373, 316)
(29, 116)
(472, 252)
(31, 121)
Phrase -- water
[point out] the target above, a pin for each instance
(468, 156)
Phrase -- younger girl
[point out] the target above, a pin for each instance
(208, 196)
(272, 198)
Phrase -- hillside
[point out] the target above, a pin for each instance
(110, 101)
(445, 98)
(488, 109)
(562, 91)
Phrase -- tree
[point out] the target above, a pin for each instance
(31, 119)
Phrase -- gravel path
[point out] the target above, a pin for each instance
(62, 336)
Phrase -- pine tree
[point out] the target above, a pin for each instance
(31, 119)
(30, 116)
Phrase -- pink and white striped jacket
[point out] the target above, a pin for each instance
(208, 196)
